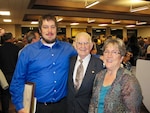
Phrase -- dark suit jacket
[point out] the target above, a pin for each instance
(8, 59)
(78, 102)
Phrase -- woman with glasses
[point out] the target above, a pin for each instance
(115, 89)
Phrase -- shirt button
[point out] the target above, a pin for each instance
(53, 63)
(54, 81)
(52, 54)
(54, 72)
(54, 90)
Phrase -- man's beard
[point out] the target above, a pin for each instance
(49, 41)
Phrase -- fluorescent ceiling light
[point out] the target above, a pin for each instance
(130, 26)
(34, 22)
(98, 30)
(139, 8)
(115, 22)
(134, 1)
(74, 24)
(113, 29)
(92, 4)
(102, 24)
(140, 23)
(60, 19)
(6, 13)
(7, 20)
(90, 20)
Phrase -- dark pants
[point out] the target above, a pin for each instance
(5, 98)
(58, 107)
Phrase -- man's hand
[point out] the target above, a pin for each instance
(22, 111)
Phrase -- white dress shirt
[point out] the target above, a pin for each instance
(85, 64)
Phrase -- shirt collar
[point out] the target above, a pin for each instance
(57, 43)
(86, 58)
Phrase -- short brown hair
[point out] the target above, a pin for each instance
(47, 17)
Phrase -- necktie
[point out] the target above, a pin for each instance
(79, 75)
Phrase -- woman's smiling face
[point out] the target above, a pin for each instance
(112, 57)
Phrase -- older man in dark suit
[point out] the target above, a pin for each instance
(80, 83)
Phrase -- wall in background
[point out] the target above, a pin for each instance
(9, 28)
(144, 32)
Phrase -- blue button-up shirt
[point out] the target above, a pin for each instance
(46, 67)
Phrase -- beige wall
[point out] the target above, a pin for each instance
(18, 31)
(144, 32)
(9, 28)
(15, 29)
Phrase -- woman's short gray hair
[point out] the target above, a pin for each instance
(118, 42)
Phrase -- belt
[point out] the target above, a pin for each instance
(49, 103)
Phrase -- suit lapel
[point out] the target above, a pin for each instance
(72, 65)
(89, 72)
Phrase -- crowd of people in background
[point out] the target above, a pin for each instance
(137, 46)
(8, 58)
(9, 50)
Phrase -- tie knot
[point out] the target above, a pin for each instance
(81, 61)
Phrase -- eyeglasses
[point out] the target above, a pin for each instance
(82, 43)
(111, 52)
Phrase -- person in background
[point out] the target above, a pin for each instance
(3, 82)
(31, 37)
(147, 56)
(46, 64)
(134, 47)
(126, 60)
(94, 49)
(79, 98)
(8, 59)
(115, 89)
(2, 32)
(37, 35)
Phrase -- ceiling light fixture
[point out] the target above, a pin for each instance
(115, 22)
(140, 23)
(6, 13)
(74, 24)
(135, 1)
(7, 20)
(59, 19)
(138, 8)
(91, 4)
(102, 24)
(90, 20)
(34, 22)
(130, 26)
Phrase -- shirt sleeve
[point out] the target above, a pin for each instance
(132, 95)
(18, 82)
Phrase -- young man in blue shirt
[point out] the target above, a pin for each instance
(46, 64)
